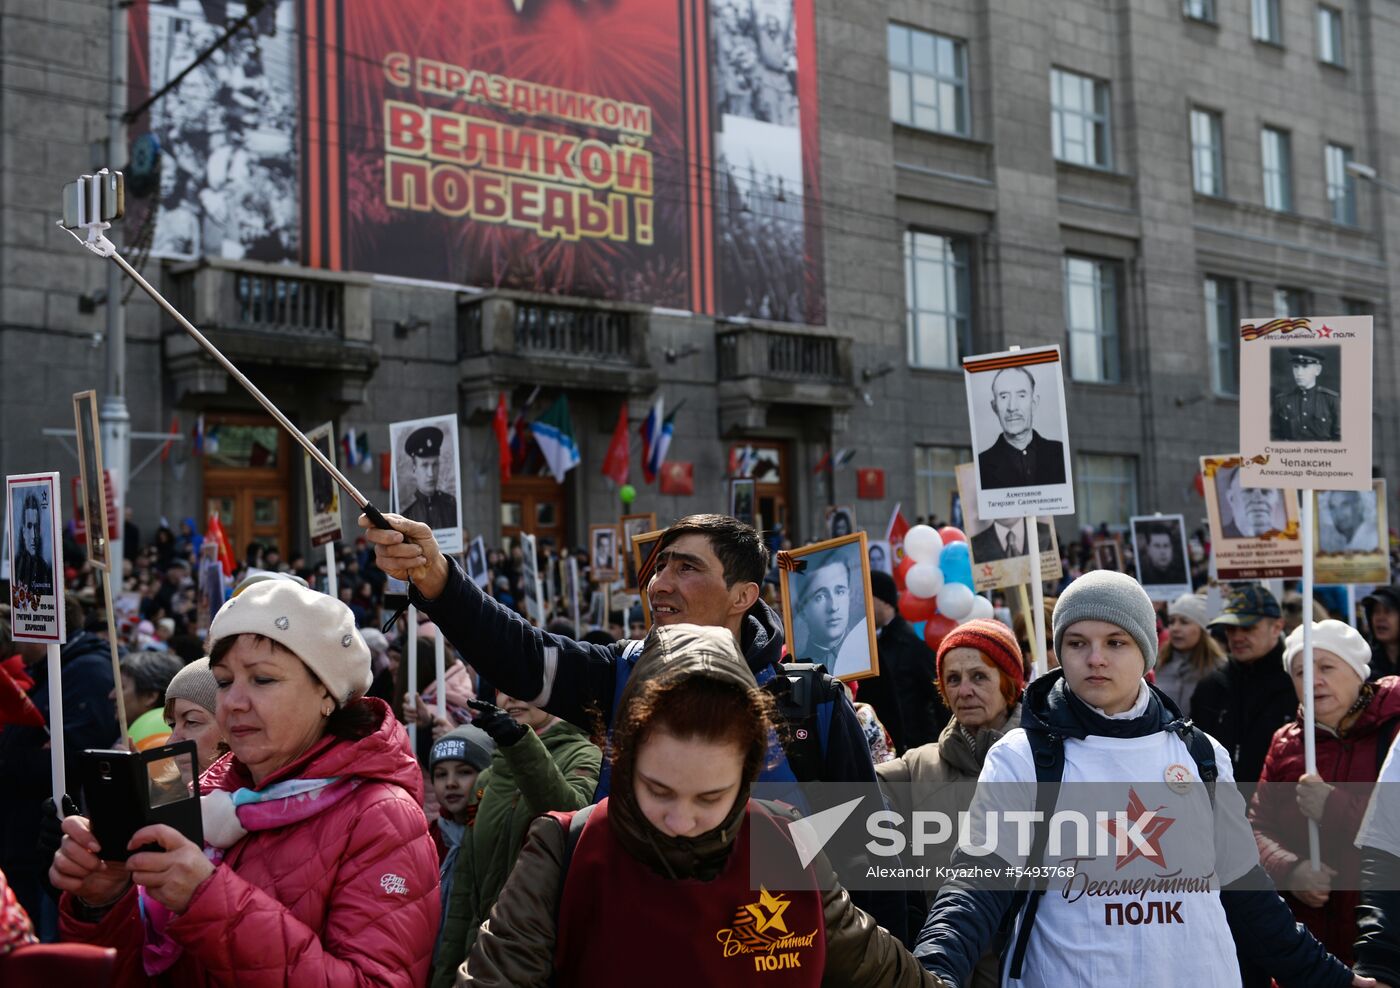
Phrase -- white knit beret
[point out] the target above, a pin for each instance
(318, 629)
(1337, 637)
(1191, 606)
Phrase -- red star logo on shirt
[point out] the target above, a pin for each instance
(1139, 839)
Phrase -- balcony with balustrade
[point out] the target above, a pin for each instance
(291, 318)
(762, 365)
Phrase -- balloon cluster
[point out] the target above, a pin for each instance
(935, 582)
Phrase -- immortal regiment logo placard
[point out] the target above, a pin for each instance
(760, 930)
(1253, 530)
(36, 577)
(1305, 402)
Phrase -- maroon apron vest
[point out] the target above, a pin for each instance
(622, 923)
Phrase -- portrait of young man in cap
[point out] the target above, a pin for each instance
(1302, 408)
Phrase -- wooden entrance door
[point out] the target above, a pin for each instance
(534, 505)
(247, 481)
(772, 484)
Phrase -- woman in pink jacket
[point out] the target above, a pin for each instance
(318, 868)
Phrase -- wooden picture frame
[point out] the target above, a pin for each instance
(644, 560)
(628, 527)
(92, 488)
(847, 645)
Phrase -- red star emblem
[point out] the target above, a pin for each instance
(1324, 330)
(1148, 834)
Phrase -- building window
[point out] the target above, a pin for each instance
(936, 480)
(1341, 185)
(938, 291)
(1290, 302)
(1356, 307)
(1222, 323)
(1199, 10)
(1268, 21)
(1329, 35)
(1278, 169)
(1079, 119)
(1105, 489)
(928, 81)
(1207, 153)
(1091, 315)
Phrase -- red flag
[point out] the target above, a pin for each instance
(617, 463)
(824, 463)
(501, 425)
(870, 483)
(215, 530)
(174, 431)
(678, 478)
(15, 705)
(895, 535)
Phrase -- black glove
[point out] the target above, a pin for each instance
(51, 835)
(500, 725)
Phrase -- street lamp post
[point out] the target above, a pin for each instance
(1368, 173)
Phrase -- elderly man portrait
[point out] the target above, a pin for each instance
(1347, 522)
(1254, 511)
(1020, 457)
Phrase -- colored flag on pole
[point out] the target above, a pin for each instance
(174, 431)
(843, 456)
(211, 440)
(651, 432)
(215, 530)
(617, 464)
(662, 446)
(554, 432)
(362, 456)
(824, 463)
(894, 534)
(347, 446)
(501, 424)
(198, 436)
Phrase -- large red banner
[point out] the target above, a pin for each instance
(659, 151)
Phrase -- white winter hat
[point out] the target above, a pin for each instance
(1337, 637)
(318, 629)
(1191, 606)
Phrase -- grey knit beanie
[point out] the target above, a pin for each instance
(1105, 595)
(467, 743)
(194, 683)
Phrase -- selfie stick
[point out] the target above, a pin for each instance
(102, 247)
(1309, 718)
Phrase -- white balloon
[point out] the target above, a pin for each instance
(981, 608)
(924, 580)
(922, 544)
(955, 601)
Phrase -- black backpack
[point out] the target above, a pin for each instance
(1048, 752)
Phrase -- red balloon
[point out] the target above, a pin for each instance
(914, 609)
(905, 565)
(936, 628)
(950, 534)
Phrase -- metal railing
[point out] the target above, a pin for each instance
(564, 331)
(750, 351)
(292, 306)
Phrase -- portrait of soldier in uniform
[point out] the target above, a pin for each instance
(435, 508)
(1021, 456)
(1301, 408)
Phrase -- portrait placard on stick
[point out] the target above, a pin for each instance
(1254, 531)
(425, 481)
(998, 548)
(631, 526)
(1159, 551)
(1351, 539)
(322, 496)
(602, 554)
(1016, 410)
(643, 549)
(742, 502)
(1305, 402)
(36, 572)
(530, 577)
(477, 569)
(97, 517)
(828, 615)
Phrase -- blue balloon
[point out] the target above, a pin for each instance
(956, 563)
(918, 627)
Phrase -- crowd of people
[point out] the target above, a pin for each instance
(566, 775)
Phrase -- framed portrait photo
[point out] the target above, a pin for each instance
(1160, 557)
(828, 615)
(1307, 382)
(879, 552)
(1020, 440)
(840, 520)
(631, 526)
(1351, 537)
(1000, 549)
(425, 476)
(478, 571)
(97, 513)
(322, 494)
(1254, 531)
(741, 500)
(36, 564)
(1108, 554)
(643, 554)
(602, 552)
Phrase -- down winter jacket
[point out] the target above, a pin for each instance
(346, 897)
(1350, 756)
(556, 770)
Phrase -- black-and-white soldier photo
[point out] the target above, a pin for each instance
(426, 479)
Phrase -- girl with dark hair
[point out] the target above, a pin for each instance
(659, 875)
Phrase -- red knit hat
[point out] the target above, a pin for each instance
(994, 640)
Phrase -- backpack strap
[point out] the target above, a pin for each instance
(622, 672)
(805, 696)
(572, 832)
(1202, 753)
(1048, 752)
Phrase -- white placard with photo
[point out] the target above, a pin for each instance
(425, 482)
(322, 494)
(1159, 552)
(530, 577)
(1254, 531)
(477, 569)
(1020, 440)
(36, 565)
(998, 548)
